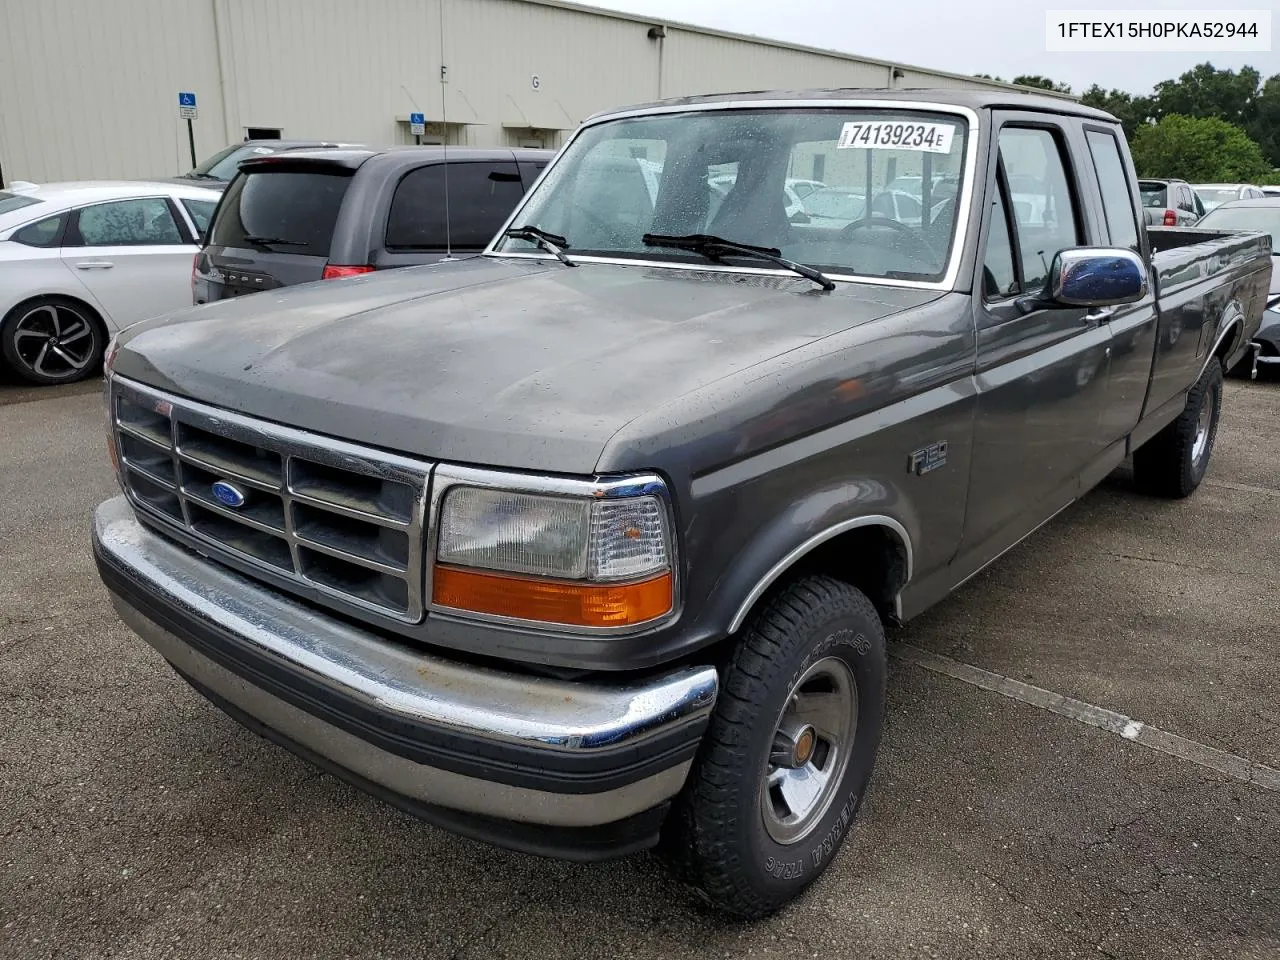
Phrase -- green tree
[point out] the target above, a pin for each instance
(1132, 112)
(1265, 127)
(1199, 149)
(1043, 83)
(1205, 91)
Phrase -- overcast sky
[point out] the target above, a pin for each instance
(1001, 37)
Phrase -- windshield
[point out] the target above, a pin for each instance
(15, 201)
(224, 164)
(1214, 196)
(1153, 194)
(726, 173)
(1246, 218)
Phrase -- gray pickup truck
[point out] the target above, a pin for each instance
(589, 544)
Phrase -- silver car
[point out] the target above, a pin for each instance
(1215, 194)
(1170, 203)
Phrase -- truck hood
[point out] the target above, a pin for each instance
(497, 362)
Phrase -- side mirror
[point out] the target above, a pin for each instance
(799, 217)
(1097, 277)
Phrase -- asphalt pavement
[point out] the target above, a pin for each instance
(136, 821)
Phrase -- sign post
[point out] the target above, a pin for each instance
(187, 111)
(417, 126)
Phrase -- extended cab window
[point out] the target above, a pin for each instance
(1040, 193)
(1117, 206)
(481, 196)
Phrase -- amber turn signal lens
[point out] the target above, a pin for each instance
(552, 601)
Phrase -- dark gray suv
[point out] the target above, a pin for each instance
(322, 214)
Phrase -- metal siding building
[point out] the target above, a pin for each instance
(88, 88)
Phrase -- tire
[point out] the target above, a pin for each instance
(1174, 461)
(52, 340)
(732, 835)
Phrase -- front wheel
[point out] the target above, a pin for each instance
(788, 755)
(1174, 461)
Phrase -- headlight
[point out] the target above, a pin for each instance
(578, 561)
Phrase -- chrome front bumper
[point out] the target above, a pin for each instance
(481, 751)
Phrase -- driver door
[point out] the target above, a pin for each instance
(1041, 373)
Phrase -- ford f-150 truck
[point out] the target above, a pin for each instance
(589, 544)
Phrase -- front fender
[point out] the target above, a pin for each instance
(750, 564)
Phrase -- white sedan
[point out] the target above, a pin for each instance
(79, 261)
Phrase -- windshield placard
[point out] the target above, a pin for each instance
(895, 135)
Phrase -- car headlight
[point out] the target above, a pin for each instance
(573, 560)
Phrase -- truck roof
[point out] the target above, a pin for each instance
(973, 99)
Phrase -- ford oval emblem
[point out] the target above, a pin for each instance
(227, 494)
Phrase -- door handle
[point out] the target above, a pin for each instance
(94, 265)
(1098, 316)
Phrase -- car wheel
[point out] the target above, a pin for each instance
(1174, 461)
(52, 340)
(789, 752)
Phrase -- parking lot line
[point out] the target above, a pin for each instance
(1242, 487)
(1135, 731)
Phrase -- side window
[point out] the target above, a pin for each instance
(43, 233)
(1043, 208)
(998, 277)
(1113, 181)
(481, 195)
(201, 212)
(126, 223)
(1188, 201)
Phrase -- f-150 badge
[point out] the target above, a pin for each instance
(927, 458)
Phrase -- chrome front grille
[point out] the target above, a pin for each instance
(333, 519)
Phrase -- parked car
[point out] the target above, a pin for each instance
(793, 203)
(587, 560)
(78, 261)
(218, 170)
(941, 188)
(322, 214)
(1253, 215)
(835, 206)
(1170, 203)
(1214, 194)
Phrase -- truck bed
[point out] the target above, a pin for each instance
(1202, 278)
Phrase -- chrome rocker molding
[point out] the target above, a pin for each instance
(557, 721)
(783, 565)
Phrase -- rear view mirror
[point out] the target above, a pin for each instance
(799, 217)
(1097, 277)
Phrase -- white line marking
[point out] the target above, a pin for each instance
(1248, 771)
(1242, 487)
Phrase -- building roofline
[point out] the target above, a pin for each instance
(787, 45)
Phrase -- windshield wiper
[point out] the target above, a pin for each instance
(550, 242)
(274, 241)
(715, 247)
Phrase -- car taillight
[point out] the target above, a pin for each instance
(195, 269)
(1170, 218)
(333, 271)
